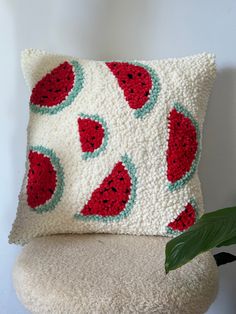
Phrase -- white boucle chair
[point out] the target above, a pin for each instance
(110, 274)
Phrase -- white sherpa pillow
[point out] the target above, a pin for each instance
(113, 147)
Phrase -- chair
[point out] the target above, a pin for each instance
(110, 274)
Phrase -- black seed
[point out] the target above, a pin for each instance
(124, 81)
(50, 190)
(105, 201)
(121, 179)
(146, 94)
(114, 189)
(139, 74)
(130, 76)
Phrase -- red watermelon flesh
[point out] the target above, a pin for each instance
(54, 87)
(91, 134)
(112, 195)
(41, 179)
(134, 80)
(182, 145)
(185, 219)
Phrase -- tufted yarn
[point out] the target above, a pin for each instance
(183, 146)
(113, 147)
(93, 135)
(185, 219)
(53, 87)
(115, 197)
(44, 179)
(57, 89)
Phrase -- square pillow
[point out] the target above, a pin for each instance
(113, 147)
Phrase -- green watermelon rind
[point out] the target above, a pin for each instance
(56, 196)
(132, 173)
(193, 202)
(181, 182)
(99, 150)
(78, 85)
(155, 90)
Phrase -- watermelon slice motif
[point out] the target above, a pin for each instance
(115, 197)
(57, 89)
(183, 147)
(139, 83)
(93, 133)
(184, 220)
(45, 179)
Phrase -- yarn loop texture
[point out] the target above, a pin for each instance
(113, 147)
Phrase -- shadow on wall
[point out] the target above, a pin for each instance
(218, 170)
(89, 29)
(218, 164)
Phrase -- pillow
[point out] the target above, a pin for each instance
(113, 147)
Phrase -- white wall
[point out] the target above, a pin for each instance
(123, 29)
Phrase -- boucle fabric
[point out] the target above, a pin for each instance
(113, 147)
(104, 274)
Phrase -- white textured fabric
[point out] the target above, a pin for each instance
(153, 203)
(110, 274)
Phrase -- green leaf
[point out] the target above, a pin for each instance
(228, 242)
(213, 229)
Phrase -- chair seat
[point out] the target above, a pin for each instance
(110, 274)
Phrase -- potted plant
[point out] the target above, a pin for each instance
(214, 229)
